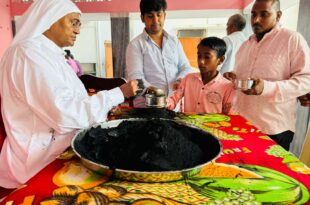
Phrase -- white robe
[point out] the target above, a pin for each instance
(43, 104)
(233, 43)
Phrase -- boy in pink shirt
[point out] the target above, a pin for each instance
(207, 91)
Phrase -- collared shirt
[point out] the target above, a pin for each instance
(282, 60)
(43, 104)
(158, 67)
(214, 97)
(233, 43)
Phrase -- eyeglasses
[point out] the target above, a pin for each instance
(76, 24)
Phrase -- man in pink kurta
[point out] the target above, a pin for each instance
(279, 61)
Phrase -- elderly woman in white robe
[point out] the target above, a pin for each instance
(43, 101)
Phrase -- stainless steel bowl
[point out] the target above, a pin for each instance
(152, 100)
(210, 143)
(243, 84)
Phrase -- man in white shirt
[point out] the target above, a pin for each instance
(156, 56)
(233, 40)
(43, 101)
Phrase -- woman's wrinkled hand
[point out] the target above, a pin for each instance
(130, 88)
(115, 111)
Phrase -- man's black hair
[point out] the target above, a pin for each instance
(275, 4)
(147, 6)
(214, 43)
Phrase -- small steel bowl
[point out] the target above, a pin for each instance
(152, 100)
(243, 84)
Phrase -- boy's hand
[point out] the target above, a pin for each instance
(168, 104)
(176, 84)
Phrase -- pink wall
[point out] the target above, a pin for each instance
(133, 5)
(246, 2)
(5, 26)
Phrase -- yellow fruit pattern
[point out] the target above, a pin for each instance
(118, 192)
(210, 123)
(75, 173)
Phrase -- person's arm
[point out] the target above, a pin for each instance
(184, 67)
(229, 99)
(62, 105)
(134, 63)
(299, 82)
(177, 95)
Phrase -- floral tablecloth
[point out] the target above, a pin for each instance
(252, 169)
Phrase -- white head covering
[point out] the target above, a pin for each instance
(40, 16)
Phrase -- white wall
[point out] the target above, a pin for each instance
(173, 25)
(89, 46)
(214, 22)
(96, 28)
(85, 48)
(289, 17)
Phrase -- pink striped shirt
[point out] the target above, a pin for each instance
(214, 97)
(282, 60)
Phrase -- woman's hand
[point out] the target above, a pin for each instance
(130, 88)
